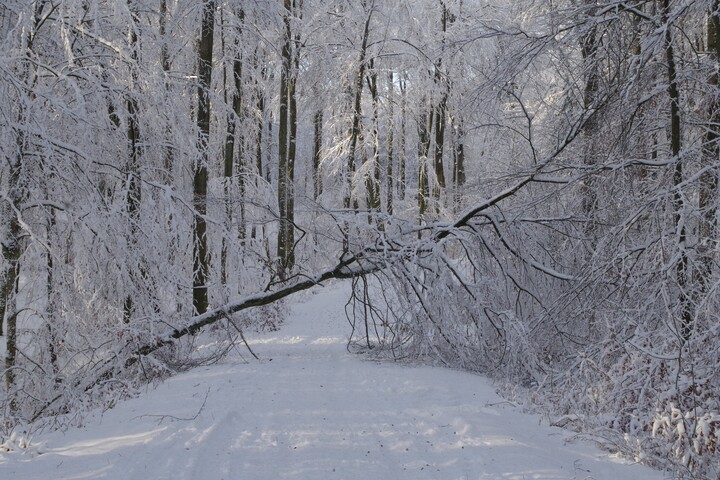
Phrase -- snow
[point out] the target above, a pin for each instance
(310, 410)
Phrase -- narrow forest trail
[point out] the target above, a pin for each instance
(310, 410)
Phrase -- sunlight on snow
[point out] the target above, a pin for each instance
(101, 446)
(200, 437)
(294, 340)
(328, 341)
(297, 339)
(91, 474)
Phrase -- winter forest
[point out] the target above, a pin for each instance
(523, 189)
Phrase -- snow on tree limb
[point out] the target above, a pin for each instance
(369, 259)
(341, 271)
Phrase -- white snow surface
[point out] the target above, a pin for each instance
(311, 410)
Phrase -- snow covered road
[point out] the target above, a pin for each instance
(310, 410)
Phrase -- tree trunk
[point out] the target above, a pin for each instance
(240, 164)
(681, 269)
(52, 298)
(17, 194)
(402, 181)
(357, 111)
(458, 161)
(707, 230)
(390, 186)
(286, 150)
(132, 180)
(441, 78)
(425, 124)
(232, 138)
(165, 63)
(200, 177)
(292, 142)
(440, 121)
(262, 118)
(258, 230)
(588, 49)
(317, 153)
(348, 199)
(372, 178)
(12, 250)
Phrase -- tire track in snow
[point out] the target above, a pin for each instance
(209, 447)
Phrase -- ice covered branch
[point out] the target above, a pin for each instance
(369, 259)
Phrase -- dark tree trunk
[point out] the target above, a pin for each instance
(458, 162)
(357, 112)
(588, 49)
(133, 165)
(232, 138)
(402, 181)
(389, 173)
(372, 179)
(425, 124)
(681, 269)
(165, 63)
(287, 148)
(17, 193)
(200, 177)
(317, 153)
(707, 230)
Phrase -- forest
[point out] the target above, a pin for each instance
(526, 189)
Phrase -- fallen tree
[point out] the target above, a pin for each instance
(145, 349)
(386, 250)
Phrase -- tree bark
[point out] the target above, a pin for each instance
(372, 178)
(681, 269)
(389, 173)
(458, 161)
(17, 194)
(165, 64)
(200, 174)
(357, 111)
(260, 104)
(132, 179)
(317, 153)
(440, 121)
(441, 78)
(240, 164)
(286, 151)
(588, 49)
(707, 229)
(402, 181)
(425, 124)
(12, 251)
(232, 138)
(52, 297)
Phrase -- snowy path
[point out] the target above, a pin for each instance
(316, 412)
